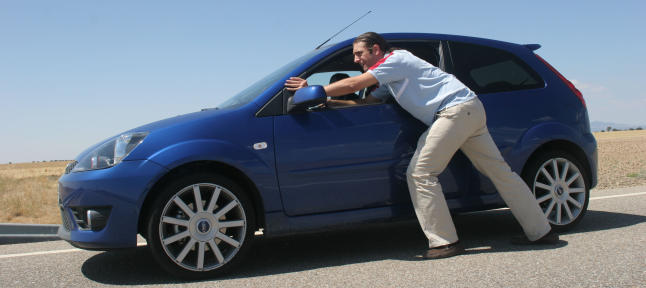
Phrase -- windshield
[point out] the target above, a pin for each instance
(247, 95)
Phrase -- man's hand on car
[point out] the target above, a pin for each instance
(295, 83)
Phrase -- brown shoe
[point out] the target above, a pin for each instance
(443, 251)
(550, 238)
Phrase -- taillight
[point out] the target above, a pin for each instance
(567, 82)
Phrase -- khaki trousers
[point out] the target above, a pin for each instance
(463, 126)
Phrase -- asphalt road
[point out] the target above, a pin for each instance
(607, 249)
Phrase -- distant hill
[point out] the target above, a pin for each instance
(597, 126)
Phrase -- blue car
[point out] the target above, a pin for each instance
(198, 186)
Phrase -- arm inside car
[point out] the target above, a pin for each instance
(350, 85)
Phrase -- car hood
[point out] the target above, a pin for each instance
(164, 127)
(178, 120)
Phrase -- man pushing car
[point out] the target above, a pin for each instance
(456, 120)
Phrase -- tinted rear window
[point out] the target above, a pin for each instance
(488, 70)
(427, 50)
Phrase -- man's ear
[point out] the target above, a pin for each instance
(376, 49)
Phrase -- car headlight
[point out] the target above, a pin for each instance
(111, 152)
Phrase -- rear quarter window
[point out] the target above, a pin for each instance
(489, 70)
(426, 50)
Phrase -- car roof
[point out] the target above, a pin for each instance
(448, 37)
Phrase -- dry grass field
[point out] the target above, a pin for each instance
(622, 158)
(28, 192)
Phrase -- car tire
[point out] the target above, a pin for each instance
(201, 241)
(561, 186)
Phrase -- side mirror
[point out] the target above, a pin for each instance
(306, 97)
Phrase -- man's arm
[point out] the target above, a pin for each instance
(350, 85)
(339, 88)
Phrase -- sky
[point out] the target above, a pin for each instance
(73, 73)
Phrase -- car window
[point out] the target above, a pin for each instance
(342, 64)
(325, 78)
(427, 50)
(489, 70)
(329, 77)
(337, 67)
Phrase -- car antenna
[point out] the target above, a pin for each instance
(337, 33)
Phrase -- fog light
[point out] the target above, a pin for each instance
(96, 220)
(91, 218)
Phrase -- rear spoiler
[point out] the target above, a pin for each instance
(533, 47)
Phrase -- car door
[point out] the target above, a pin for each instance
(344, 159)
(350, 158)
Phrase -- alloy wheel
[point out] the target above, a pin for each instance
(559, 188)
(202, 227)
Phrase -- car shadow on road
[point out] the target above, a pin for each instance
(481, 232)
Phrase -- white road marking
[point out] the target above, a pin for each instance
(39, 253)
(144, 243)
(52, 252)
(617, 196)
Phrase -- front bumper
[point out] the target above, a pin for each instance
(120, 189)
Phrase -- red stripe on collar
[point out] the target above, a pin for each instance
(380, 61)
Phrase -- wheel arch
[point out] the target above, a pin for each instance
(565, 146)
(216, 167)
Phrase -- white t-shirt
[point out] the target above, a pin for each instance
(419, 87)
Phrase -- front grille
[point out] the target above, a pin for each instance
(67, 222)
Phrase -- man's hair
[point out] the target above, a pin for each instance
(372, 38)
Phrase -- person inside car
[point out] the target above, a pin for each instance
(344, 100)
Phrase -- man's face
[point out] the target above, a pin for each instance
(364, 56)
